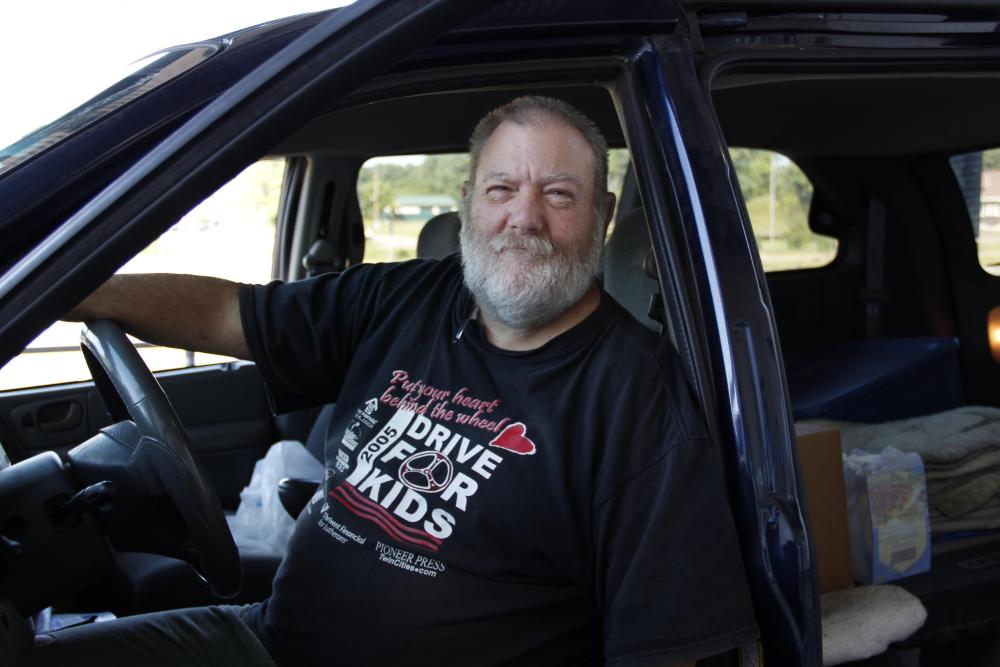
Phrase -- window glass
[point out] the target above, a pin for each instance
(778, 196)
(399, 194)
(618, 164)
(229, 235)
(978, 175)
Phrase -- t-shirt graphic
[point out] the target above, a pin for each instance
(417, 473)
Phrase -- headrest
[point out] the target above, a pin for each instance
(439, 236)
(627, 264)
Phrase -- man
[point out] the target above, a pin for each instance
(527, 479)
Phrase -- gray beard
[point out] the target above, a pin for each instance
(522, 280)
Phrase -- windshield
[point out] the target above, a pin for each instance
(147, 75)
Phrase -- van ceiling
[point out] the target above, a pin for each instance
(434, 123)
(801, 116)
(862, 115)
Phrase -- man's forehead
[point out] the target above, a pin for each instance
(568, 155)
(541, 123)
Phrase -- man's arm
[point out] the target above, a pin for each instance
(188, 312)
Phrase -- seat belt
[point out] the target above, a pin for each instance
(321, 258)
(874, 295)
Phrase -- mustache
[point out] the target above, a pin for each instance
(537, 246)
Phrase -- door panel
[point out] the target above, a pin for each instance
(225, 411)
(223, 407)
(29, 418)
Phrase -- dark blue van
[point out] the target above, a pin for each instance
(806, 208)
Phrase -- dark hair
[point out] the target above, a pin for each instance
(537, 110)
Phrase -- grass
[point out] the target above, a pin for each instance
(391, 242)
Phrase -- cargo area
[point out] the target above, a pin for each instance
(895, 340)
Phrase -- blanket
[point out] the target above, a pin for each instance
(960, 449)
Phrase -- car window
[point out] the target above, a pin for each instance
(398, 194)
(229, 235)
(777, 195)
(978, 175)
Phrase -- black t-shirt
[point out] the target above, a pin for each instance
(481, 506)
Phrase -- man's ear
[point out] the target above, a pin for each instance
(464, 190)
(609, 209)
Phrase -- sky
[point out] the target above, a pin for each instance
(59, 53)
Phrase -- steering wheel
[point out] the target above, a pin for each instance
(163, 454)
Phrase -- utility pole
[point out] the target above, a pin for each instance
(771, 206)
(375, 196)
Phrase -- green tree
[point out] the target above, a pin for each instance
(753, 169)
(991, 159)
(442, 174)
(431, 175)
(618, 162)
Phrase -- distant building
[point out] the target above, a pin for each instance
(420, 208)
(989, 200)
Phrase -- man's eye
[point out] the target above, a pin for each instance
(497, 189)
(560, 194)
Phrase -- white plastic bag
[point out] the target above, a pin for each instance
(887, 514)
(261, 522)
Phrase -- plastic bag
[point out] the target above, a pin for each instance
(887, 514)
(261, 522)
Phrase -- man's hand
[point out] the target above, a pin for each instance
(187, 312)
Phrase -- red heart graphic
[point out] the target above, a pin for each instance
(513, 440)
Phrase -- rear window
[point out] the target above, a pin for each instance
(978, 175)
(398, 194)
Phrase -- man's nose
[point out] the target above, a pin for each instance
(527, 215)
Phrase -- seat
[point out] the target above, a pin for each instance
(439, 236)
(875, 380)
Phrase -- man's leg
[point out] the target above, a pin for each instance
(200, 636)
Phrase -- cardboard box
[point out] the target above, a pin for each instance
(823, 479)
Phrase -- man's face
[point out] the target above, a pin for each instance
(531, 242)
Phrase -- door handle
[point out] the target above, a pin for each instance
(61, 416)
